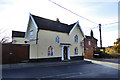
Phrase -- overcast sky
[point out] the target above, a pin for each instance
(14, 15)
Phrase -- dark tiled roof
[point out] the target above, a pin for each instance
(18, 34)
(47, 24)
(91, 38)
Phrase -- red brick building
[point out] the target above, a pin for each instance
(90, 43)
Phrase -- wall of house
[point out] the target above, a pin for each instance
(31, 27)
(33, 51)
(88, 49)
(48, 38)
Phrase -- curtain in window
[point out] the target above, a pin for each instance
(76, 51)
(76, 39)
(57, 39)
(50, 51)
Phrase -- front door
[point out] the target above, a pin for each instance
(65, 53)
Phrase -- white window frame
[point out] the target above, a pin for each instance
(31, 35)
(77, 51)
(50, 51)
(76, 39)
(89, 43)
(57, 40)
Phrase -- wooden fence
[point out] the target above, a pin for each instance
(14, 53)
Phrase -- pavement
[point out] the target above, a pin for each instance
(113, 63)
(32, 64)
(112, 60)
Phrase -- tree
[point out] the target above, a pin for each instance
(116, 46)
(5, 40)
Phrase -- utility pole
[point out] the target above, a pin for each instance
(100, 36)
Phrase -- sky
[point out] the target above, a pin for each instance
(14, 15)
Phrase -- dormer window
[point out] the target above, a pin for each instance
(76, 39)
(31, 35)
(57, 39)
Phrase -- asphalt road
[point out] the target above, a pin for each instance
(74, 70)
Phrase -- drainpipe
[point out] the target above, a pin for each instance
(37, 37)
(37, 43)
(82, 45)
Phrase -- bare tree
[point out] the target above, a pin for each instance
(4, 38)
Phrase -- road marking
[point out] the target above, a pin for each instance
(68, 74)
(108, 64)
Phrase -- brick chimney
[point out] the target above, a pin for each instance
(57, 19)
(91, 33)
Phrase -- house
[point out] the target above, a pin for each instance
(90, 44)
(53, 40)
(18, 37)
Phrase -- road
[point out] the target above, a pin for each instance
(74, 70)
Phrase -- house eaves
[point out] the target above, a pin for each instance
(77, 23)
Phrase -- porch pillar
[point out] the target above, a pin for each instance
(62, 54)
(68, 53)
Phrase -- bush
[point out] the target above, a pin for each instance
(111, 52)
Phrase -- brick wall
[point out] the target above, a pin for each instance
(89, 47)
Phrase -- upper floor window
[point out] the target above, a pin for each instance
(89, 42)
(76, 39)
(76, 51)
(57, 39)
(31, 34)
(50, 51)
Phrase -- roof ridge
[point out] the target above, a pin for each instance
(50, 20)
(51, 25)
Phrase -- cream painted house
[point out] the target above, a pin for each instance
(18, 37)
(53, 40)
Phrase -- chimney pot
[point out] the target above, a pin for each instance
(57, 19)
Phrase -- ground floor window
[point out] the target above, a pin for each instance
(76, 51)
(50, 51)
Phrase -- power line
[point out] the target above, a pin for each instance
(72, 12)
(110, 23)
(82, 16)
(102, 25)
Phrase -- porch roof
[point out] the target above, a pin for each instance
(65, 44)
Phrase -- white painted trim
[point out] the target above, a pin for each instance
(50, 50)
(77, 23)
(34, 23)
(81, 30)
(62, 58)
(68, 53)
(89, 43)
(30, 17)
(76, 36)
(27, 26)
(58, 39)
(72, 29)
(74, 51)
